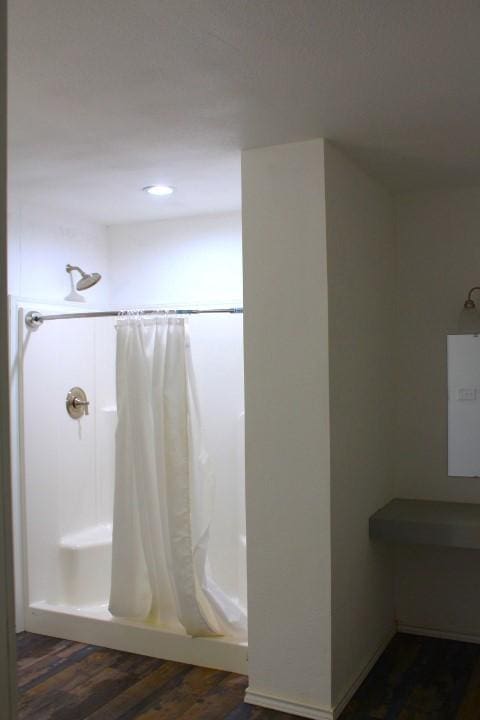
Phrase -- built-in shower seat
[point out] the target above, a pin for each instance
(85, 566)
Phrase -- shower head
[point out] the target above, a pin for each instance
(86, 281)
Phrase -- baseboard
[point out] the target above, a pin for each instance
(318, 712)
(347, 695)
(291, 707)
(437, 633)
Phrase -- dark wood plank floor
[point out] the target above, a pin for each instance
(415, 679)
(420, 678)
(63, 680)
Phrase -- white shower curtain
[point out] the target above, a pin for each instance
(164, 490)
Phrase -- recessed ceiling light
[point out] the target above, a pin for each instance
(158, 190)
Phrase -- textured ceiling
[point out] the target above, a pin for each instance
(107, 96)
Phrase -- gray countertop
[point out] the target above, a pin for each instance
(428, 522)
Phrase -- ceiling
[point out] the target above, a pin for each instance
(107, 96)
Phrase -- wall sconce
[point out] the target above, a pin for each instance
(469, 320)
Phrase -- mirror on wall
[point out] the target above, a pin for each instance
(463, 357)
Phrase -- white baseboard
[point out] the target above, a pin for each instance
(437, 633)
(317, 712)
(291, 707)
(358, 680)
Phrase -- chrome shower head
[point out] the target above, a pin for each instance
(86, 281)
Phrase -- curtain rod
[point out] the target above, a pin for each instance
(34, 319)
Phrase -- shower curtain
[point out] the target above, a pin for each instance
(164, 490)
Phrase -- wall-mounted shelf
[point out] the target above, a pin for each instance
(427, 522)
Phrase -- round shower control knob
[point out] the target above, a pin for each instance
(77, 403)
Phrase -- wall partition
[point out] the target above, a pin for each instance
(7, 627)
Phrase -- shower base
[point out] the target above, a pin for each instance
(80, 611)
(94, 625)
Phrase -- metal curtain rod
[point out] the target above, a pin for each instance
(34, 319)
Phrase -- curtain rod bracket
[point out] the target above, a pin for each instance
(33, 319)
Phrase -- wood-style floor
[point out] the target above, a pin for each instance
(415, 679)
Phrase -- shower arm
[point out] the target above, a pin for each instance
(70, 268)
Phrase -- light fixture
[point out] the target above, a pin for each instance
(469, 320)
(158, 190)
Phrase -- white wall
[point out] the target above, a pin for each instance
(41, 241)
(438, 261)
(361, 276)
(193, 260)
(287, 425)
(68, 464)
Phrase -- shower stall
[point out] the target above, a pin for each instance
(67, 417)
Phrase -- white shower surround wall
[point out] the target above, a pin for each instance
(68, 482)
(41, 240)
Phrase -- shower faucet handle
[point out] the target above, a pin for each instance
(77, 403)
